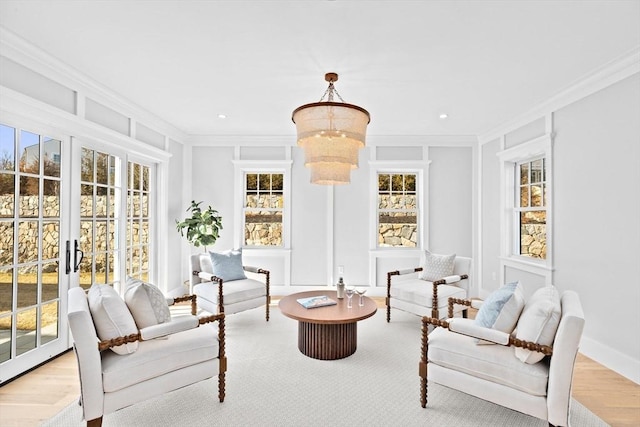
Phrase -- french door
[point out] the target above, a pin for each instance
(72, 213)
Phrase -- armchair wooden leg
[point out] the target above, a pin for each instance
(422, 369)
(96, 422)
(221, 386)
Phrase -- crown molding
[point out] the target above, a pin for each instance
(26, 54)
(602, 77)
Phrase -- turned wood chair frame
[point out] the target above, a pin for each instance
(114, 342)
(210, 277)
(426, 321)
(434, 304)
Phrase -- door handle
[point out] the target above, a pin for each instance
(67, 268)
(76, 261)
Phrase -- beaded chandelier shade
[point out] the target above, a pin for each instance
(331, 133)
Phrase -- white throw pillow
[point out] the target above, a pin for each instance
(539, 322)
(146, 303)
(111, 317)
(501, 310)
(435, 267)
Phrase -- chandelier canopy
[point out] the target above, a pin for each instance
(331, 133)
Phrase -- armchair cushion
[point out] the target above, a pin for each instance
(111, 317)
(501, 310)
(240, 290)
(157, 357)
(227, 265)
(147, 304)
(539, 322)
(436, 266)
(495, 363)
(469, 328)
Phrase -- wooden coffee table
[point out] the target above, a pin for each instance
(330, 332)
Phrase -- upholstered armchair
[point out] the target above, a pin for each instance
(222, 290)
(529, 370)
(425, 290)
(134, 364)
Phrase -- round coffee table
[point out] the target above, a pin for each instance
(329, 332)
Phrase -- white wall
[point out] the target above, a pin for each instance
(596, 217)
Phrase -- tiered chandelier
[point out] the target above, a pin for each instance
(331, 133)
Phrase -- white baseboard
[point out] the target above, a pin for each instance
(610, 358)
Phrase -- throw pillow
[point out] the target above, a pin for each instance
(146, 303)
(111, 317)
(539, 322)
(435, 267)
(502, 308)
(228, 265)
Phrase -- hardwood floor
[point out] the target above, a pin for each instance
(43, 392)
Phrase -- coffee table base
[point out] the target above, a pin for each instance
(327, 341)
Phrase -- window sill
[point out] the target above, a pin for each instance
(526, 264)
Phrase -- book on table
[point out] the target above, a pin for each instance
(317, 301)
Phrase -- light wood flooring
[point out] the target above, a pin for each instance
(43, 392)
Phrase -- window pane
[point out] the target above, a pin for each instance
(51, 157)
(252, 182)
(102, 168)
(277, 182)
(533, 234)
(397, 183)
(524, 196)
(49, 322)
(28, 241)
(265, 182)
(29, 152)
(397, 229)
(263, 229)
(536, 171)
(51, 198)
(536, 196)
(6, 290)
(6, 242)
(27, 285)
(524, 173)
(29, 189)
(26, 328)
(49, 281)
(7, 148)
(145, 178)
(383, 183)
(86, 169)
(7, 195)
(410, 182)
(50, 239)
(5, 344)
(86, 278)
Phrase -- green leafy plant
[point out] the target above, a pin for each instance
(203, 227)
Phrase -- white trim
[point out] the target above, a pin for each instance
(25, 106)
(604, 76)
(619, 362)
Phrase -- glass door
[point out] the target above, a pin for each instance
(33, 282)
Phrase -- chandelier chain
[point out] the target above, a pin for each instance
(331, 90)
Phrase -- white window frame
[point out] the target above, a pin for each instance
(541, 147)
(419, 195)
(243, 167)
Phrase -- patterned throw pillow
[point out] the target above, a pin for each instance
(146, 303)
(435, 267)
(111, 317)
(227, 265)
(501, 310)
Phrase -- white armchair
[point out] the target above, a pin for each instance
(513, 372)
(417, 292)
(217, 296)
(187, 350)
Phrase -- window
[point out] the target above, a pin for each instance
(138, 219)
(263, 209)
(397, 210)
(531, 208)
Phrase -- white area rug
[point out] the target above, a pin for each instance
(270, 383)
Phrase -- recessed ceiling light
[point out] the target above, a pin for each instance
(222, 116)
(443, 116)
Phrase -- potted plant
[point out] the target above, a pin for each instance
(203, 227)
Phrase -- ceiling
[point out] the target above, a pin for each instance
(481, 62)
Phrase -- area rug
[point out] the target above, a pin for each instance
(270, 383)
